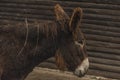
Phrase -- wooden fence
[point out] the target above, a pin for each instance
(101, 25)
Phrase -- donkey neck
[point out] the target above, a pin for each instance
(32, 54)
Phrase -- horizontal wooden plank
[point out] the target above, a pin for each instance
(107, 62)
(104, 50)
(93, 65)
(39, 12)
(100, 32)
(26, 6)
(102, 38)
(51, 60)
(102, 11)
(97, 1)
(104, 73)
(68, 8)
(102, 67)
(101, 17)
(100, 70)
(48, 65)
(74, 4)
(104, 23)
(100, 27)
(103, 44)
(51, 13)
(103, 55)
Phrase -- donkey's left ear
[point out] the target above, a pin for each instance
(75, 18)
(60, 13)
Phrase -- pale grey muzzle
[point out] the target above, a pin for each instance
(82, 69)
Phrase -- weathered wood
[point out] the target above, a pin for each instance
(104, 23)
(101, 17)
(39, 12)
(104, 55)
(102, 38)
(74, 4)
(50, 74)
(68, 8)
(104, 50)
(100, 32)
(100, 27)
(103, 44)
(26, 6)
(99, 69)
(102, 61)
(95, 66)
(48, 65)
(51, 60)
(102, 67)
(104, 73)
(98, 1)
(102, 11)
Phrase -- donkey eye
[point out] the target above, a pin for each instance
(80, 41)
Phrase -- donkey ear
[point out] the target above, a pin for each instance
(75, 18)
(60, 13)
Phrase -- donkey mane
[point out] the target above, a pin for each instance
(48, 28)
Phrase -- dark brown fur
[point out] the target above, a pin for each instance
(20, 53)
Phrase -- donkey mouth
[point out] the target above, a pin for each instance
(80, 73)
(81, 70)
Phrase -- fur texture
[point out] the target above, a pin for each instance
(24, 46)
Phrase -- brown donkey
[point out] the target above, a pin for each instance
(23, 48)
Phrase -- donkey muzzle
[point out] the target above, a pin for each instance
(82, 69)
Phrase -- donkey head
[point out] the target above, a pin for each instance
(71, 52)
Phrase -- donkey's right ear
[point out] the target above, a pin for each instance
(75, 18)
(60, 13)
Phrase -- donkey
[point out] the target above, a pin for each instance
(22, 47)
